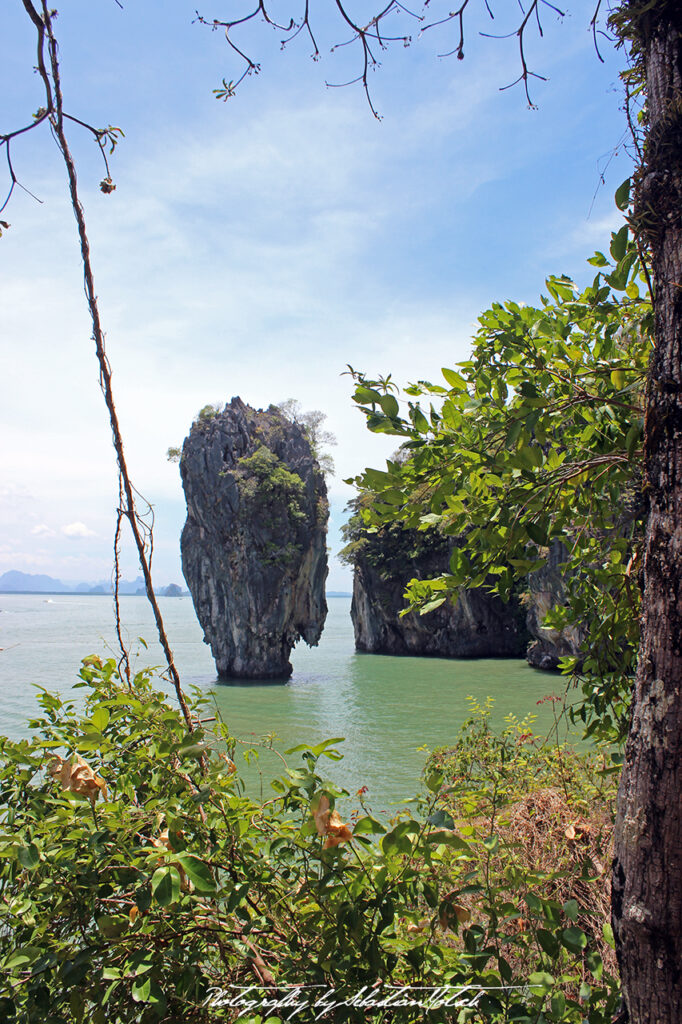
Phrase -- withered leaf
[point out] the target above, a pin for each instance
(78, 777)
(337, 831)
(328, 823)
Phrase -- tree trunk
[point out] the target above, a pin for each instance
(647, 869)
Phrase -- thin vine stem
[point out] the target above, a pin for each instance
(54, 106)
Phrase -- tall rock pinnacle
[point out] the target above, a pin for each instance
(254, 543)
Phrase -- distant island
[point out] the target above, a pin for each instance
(14, 582)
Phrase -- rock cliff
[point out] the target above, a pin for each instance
(254, 543)
(479, 625)
(546, 589)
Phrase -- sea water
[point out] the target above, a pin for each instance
(389, 710)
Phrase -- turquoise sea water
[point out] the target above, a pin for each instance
(385, 707)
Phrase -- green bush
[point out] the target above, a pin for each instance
(136, 877)
(268, 488)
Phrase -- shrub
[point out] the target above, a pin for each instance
(136, 877)
(538, 817)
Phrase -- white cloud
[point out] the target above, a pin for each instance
(77, 531)
(43, 530)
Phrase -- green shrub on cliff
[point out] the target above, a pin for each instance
(268, 489)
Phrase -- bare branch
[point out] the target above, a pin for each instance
(593, 26)
(365, 35)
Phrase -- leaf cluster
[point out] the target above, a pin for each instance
(267, 486)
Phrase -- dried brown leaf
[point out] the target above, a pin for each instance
(337, 831)
(77, 776)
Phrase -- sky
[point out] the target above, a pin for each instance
(255, 247)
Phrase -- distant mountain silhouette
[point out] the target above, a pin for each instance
(14, 582)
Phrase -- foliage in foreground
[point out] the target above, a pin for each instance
(136, 877)
(535, 441)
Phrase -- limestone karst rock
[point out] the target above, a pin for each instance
(254, 543)
(546, 588)
(479, 625)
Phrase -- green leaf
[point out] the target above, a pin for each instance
(320, 748)
(448, 838)
(141, 989)
(574, 939)
(397, 840)
(21, 957)
(541, 983)
(454, 379)
(100, 718)
(166, 885)
(513, 433)
(28, 856)
(558, 1005)
(419, 419)
(571, 910)
(193, 750)
(536, 533)
(197, 871)
(390, 406)
(202, 795)
(548, 943)
(377, 479)
(594, 964)
(623, 195)
(368, 826)
(632, 439)
(530, 456)
(619, 242)
(366, 396)
(607, 932)
(441, 819)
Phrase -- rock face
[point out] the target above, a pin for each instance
(254, 543)
(479, 625)
(545, 590)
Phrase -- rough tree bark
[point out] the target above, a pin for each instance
(647, 875)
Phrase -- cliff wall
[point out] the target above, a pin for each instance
(546, 589)
(478, 625)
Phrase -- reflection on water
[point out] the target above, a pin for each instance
(385, 707)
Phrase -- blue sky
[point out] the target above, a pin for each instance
(256, 247)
